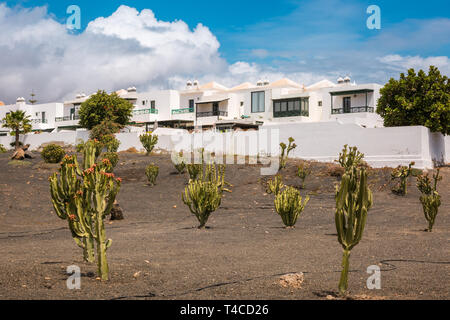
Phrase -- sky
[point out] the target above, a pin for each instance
(162, 44)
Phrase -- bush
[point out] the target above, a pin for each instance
(13, 144)
(2, 149)
(148, 141)
(110, 143)
(179, 163)
(289, 205)
(53, 153)
(303, 171)
(113, 157)
(430, 198)
(152, 173)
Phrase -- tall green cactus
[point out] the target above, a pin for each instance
(353, 201)
(85, 198)
(204, 195)
(350, 157)
(289, 205)
(430, 198)
(148, 141)
(275, 185)
(285, 150)
(402, 173)
(151, 172)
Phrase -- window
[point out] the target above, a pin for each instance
(143, 102)
(242, 103)
(191, 104)
(320, 103)
(152, 104)
(258, 103)
(291, 107)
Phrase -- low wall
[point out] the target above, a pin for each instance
(321, 141)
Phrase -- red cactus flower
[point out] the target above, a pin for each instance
(71, 217)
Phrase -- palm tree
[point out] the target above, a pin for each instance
(18, 122)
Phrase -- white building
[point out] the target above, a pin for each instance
(214, 106)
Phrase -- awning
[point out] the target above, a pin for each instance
(350, 92)
(212, 101)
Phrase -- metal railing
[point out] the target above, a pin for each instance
(36, 121)
(67, 118)
(212, 114)
(145, 111)
(353, 110)
(291, 113)
(183, 110)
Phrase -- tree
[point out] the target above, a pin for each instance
(19, 123)
(105, 107)
(417, 99)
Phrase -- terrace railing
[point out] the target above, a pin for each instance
(353, 110)
(145, 111)
(37, 121)
(183, 110)
(67, 118)
(212, 114)
(291, 113)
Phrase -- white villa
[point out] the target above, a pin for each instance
(216, 107)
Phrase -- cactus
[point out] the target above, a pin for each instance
(179, 163)
(148, 141)
(353, 201)
(289, 205)
(85, 198)
(402, 173)
(152, 172)
(195, 169)
(350, 157)
(285, 150)
(303, 171)
(430, 198)
(204, 195)
(275, 185)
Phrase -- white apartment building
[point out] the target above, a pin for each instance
(214, 106)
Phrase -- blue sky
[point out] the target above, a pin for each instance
(305, 40)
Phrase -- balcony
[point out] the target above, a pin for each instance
(353, 110)
(212, 114)
(145, 111)
(38, 121)
(67, 118)
(183, 110)
(291, 113)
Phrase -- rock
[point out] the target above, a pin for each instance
(116, 212)
(292, 280)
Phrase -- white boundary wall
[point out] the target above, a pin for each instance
(316, 141)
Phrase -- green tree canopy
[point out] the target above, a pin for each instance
(18, 122)
(105, 107)
(417, 99)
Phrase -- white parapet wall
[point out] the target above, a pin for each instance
(320, 141)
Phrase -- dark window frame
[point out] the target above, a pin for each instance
(264, 101)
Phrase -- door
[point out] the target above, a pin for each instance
(347, 105)
(215, 108)
(43, 116)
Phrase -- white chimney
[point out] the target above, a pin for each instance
(20, 100)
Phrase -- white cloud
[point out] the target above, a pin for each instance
(403, 63)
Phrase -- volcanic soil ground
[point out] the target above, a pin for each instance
(158, 253)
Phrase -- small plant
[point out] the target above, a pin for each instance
(80, 146)
(113, 157)
(275, 185)
(353, 201)
(196, 169)
(285, 150)
(402, 173)
(289, 205)
(152, 172)
(148, 141)
(350, 157)
(2, 149)
(430, 198)
(303, 171)
(179, 163)
(53, 153)
(84, 198)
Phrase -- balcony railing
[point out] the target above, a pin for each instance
(145, 111)
(183, 110)
(353, 110)
(67, 118)
(212, 114)
(37, 121)
(291, 113)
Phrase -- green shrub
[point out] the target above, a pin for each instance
(289, 205)
(402, 173)
(113, 157)
(275, 185)
(13, 144)
(148, 141)
(2, 149)
(350, 157)
(53, 153)
(152, 173)
(179, 163)
(110, 143)
(430, 198)
(303, 171)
